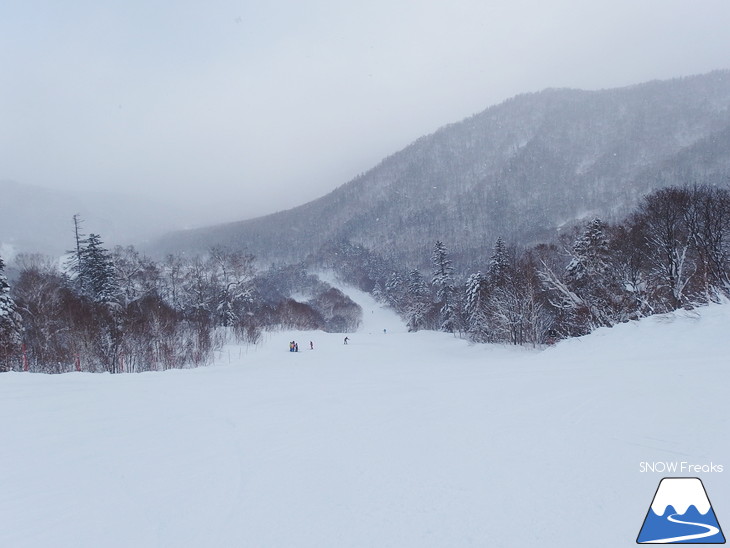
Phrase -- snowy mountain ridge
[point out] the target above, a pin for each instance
(519, 170)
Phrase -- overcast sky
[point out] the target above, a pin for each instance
(248, 107)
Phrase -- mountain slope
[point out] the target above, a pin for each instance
(518, 170)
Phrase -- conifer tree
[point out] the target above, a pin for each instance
(10, 322)
(590, 262)
(96, 272)
(475, 307)
(443, 281)
(378, 293)
(588, 290)
(418, 301)
(395, 291)
(499, 265)
(506, 302)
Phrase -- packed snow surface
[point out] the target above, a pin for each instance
(394, 440)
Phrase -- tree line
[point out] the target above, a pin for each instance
(672, 252)
(120, 311)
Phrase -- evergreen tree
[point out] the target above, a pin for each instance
(443, 273)
(591, 256)
(443, 281)
(96, 272)
(475, 307)
(589, 290)
(500, 309)
(10, 322)
(499, 265)
(418, 301)
(378, 293)
(395, 291)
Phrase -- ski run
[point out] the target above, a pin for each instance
(394, 440)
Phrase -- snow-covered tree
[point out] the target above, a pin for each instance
(519, 312)
(136, 275)
(232, 274)
(590, 256)
(708, 222)
(199, 295)
(443, 281)
(443, 273)
(537, 317)
(378, 292)
(476, 302)
(589, 290)
(10, 322)
(94, 272)
(395, 291)
(499, 265)
(668, 244)
(418, 301)
(172, 281)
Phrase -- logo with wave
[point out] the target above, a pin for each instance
(680, 513)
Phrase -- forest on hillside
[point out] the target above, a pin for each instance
(524, 170)
(672, 252)
(120, 311)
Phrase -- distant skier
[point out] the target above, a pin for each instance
(346, 339)
(296, 347)
(311, 345)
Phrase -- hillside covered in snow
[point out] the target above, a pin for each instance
(520, 170)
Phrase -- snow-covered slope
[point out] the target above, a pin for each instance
(396, 439)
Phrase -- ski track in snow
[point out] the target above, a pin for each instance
(395, 440)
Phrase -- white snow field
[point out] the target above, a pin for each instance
(394, 440)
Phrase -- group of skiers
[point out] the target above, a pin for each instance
(294, 345)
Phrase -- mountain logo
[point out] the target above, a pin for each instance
(680, 513)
